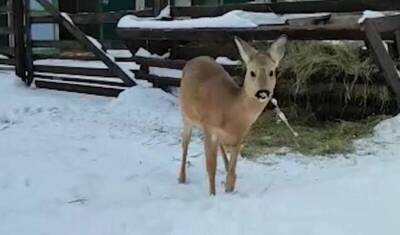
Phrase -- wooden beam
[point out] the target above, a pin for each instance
(28, 47)
(150, 62)
(76, 45)
(386, 24)
(397, 42)
(80, 36)
(84, 71)
(64, 44)
(7, 51)
(382, 57)
(67, 78)
(289, 7)
(298, 32)
(7, 61)
(157, 80)
(19, 38)
(85, 88)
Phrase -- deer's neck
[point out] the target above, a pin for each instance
(249, 105)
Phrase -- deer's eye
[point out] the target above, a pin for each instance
(271, 73)
(253, 74)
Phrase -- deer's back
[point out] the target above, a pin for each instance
(206, 91)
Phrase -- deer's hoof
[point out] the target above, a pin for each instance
(182, 179)
(230, 183)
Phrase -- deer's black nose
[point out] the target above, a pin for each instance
(263, 94)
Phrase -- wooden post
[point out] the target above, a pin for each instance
(19, 38)
(385, 62)
(29, 51)
(397, 42)
(82, 38)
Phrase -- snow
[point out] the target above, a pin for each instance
(145, 53)
(119, 53)
(95, 42)
(67, 17)
(227, 61)
(126, 70)
(164, 13)
(3, 56)
(232, 19)
(80, 164)
(368, 14)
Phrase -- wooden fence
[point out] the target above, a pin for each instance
(83, 79)
(7, 33)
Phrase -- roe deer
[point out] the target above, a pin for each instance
(212, 101)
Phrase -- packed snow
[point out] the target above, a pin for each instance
(145, 53)
(232, 19)
(119, 53)
(80, 164)
(67, 17)
(369, 14)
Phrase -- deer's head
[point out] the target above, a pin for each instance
(260, 79)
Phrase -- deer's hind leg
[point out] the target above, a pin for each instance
(186, 136)
(211, 150)
(224, 157)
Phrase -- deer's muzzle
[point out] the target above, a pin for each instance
(262, 95)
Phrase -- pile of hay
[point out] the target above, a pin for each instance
(333, 81)
(331, 93)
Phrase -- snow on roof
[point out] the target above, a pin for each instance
(232, 19)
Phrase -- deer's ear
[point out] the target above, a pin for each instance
(278, 48)
(245, 50)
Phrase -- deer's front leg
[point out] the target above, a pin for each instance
(211, 150)
(231, 175)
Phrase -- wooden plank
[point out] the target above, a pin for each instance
(290, 7)
(64, 56)
(61, 73)
(79, 35)
(84, 71)
(66, 78)
(7, 61)
(227, 49)
(386, 24)
(6, 30)
(9, 51)
(382, 57)
(158, 81)
(19, 39)
(64, 44)
(76, 45)
(151, 62)
(173, 63)
(93, 18)
(297, 32)
(78, 87)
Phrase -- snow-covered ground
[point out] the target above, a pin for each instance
(79, 164)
